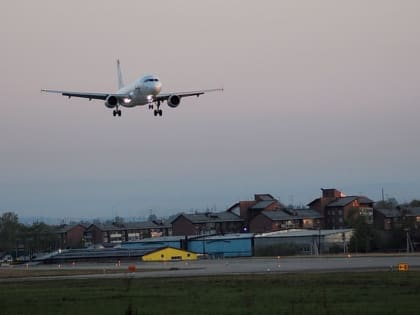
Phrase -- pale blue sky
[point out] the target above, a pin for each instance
(317, 94)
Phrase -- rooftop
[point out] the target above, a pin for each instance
(278, 215)
(306, 213)
(413, 211)
(389, 213)
(301, 232)
(344, 201)
(210, 217)
(263, 204)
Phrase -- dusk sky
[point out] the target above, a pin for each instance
(320, 93)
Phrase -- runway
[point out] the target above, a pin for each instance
(217, 267)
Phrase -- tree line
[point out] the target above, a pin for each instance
(21, 239)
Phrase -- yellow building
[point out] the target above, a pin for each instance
(169, 254)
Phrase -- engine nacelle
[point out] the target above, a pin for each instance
(173, 101)
(111, 101)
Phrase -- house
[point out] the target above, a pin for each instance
(412, 221)
(308, 218)
(336, 208)
(387, 219)
(103, 233)
(123, 232)
(269, 221)
(343, 208)
(249, 209)
(71, 236)
(328, 195)
(206, 223)
(140, 230)
(412, 215)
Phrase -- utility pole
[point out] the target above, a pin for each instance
(410, 247)
(319, 241)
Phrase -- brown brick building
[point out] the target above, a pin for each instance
(271, 221)
(124, 232)
(246, 210)
(336, 208)
(71, 236)
(207, 223)
(387, 219)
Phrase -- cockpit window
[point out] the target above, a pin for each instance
(151, 80)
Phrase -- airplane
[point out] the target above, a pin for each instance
(143, 91)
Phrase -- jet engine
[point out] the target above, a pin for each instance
(111, 101)
(173, 101)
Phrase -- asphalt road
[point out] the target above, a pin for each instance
(233, 266)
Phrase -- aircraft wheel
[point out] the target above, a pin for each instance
(114, 113)
(160, 112)
(155, 112)
(119, 112)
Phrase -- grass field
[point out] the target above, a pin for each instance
(310, 293)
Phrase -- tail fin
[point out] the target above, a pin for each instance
(120, 78)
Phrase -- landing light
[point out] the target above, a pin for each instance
(126, 100)
(150, 98)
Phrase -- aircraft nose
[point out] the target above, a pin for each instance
(158, 87)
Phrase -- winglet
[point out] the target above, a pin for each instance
(120, 78)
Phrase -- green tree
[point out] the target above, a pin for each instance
(38, 237)
(352, 217)
(414, 203)
(364, 236)
(390, 203)
(9, 229)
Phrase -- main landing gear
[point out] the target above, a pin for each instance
(116, 112)
(158, 111)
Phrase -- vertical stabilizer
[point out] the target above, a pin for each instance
(120, 78)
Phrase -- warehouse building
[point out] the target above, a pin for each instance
(169, 254)
(155, 242)
(228, 245)
(221, 246)
(310, 242)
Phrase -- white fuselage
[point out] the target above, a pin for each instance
(141, 91)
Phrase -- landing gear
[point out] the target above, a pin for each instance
(116, 112)
(158, 111)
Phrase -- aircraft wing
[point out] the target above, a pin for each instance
(90, 96)
(165, 96)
